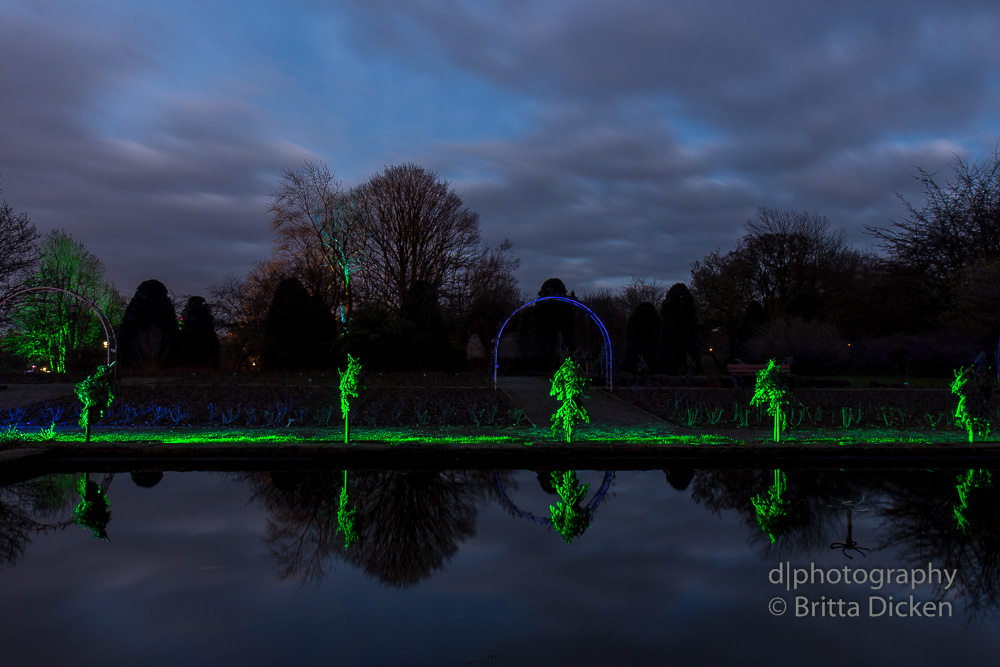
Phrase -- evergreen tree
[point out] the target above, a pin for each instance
(678, 331)
(199, 344)
(298, 330)
(148, 337)
(641, 333)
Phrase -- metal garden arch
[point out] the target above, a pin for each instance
(109, 331)
(593, 316)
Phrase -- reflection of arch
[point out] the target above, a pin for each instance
(593, 316)
(599, 496)
(109, 331)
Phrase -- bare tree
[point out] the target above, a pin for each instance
(418, 229)
(315, 222)
(18, 247)
(957, 227)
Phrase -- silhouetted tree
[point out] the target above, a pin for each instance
(18, 248)
(428, 344)
(298, 330)
(678, 331)
(641, 333)
(550, 328)
(148, 336)
(417, 229)
(199, 344)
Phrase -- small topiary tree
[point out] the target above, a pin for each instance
(95, 394)
(770, 391)
(970, 412)
(350, 386)
(567, 386)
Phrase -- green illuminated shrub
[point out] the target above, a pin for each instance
(95, 394)
(350, 386)
(567, 386)
(771, 392)
(973, 393)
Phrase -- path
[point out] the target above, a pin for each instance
(531, 394)
(25, 394)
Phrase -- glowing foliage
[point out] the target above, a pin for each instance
(770, 391)
(567, 386)
(771, 508)
(567, 515)
(971, 396)
(346, 517)
(95, 394)
(971, 480)
(94, 511)
(350, 386)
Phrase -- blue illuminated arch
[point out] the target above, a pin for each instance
(574, 302)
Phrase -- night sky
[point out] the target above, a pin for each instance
(604, 139)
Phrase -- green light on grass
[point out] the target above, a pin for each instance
(771, 508)
(567, 516)
(967, 483)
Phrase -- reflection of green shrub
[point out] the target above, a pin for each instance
(94, 510)
(973, 394)
(346, 517)
(567, 386)
(770, 391)
(771, 508)
(567, 515)
(967, 484)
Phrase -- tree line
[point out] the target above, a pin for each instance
(395, 271)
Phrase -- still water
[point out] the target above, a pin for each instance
(465, 568)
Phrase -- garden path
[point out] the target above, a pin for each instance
(531, 394)
(25, 394)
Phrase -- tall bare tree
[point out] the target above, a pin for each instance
(316, 225)
(417, 229)
(18, 247)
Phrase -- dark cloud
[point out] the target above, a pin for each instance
(604, 139)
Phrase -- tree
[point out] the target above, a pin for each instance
(57, 328)
(298, 330)
(678, 331)
(418, 229)
(641, 332)
(18, 248)
(199, 344)
(316, 224)
(958, 225)
(149, 332)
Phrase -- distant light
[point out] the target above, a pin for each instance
(105, 345)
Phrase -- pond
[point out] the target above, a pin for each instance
(464, 568)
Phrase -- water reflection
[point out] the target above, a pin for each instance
(401, 528)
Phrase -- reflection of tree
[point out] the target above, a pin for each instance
(772, 508)
(806, 523)
(567, 516)
(849, 543)
(94, 510)
(24, 508)
(413, 522)
(922, 520)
